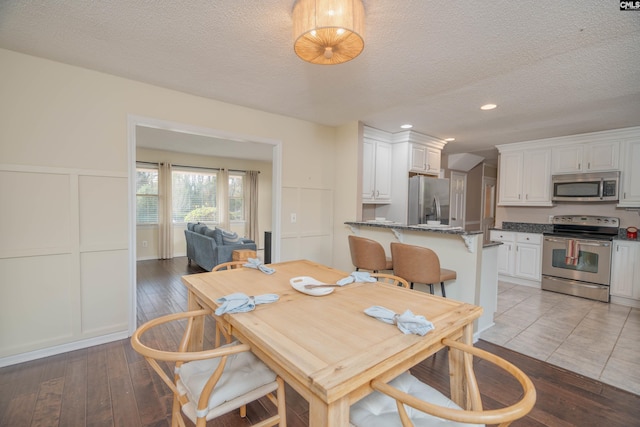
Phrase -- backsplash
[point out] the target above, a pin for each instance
(527, 227)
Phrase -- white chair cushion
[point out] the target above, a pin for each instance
(242, 374)
(380, 410)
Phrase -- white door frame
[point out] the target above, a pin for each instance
(135, 121)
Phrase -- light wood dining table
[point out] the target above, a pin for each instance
(326, 347)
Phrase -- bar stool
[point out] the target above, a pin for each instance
(420, 265)
(368, 254)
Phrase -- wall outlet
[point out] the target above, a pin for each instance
(293, 218)
(550, 219)
(145, 244)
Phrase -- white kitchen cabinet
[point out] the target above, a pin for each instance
(625, 269)
(586, 157)
(505, 250)
(525, 178)
(376, 171)
(519, 255)
(630, 174)
(527, 256)
(424, 159)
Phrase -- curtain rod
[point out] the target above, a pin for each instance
(192, 167)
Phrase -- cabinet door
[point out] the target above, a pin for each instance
(568, 159)
(510, 178)
(368, 170)
(382, 183)
(505, 251)
(505, 259)
(536, 177)
(601, 156)
(527, 261)
(630, 174)
(622, 269)
(433, 161)
(418, 160)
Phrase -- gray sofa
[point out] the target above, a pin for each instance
(208, 247)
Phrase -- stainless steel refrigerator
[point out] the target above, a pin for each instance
(428, 200)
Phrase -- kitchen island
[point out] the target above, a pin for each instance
(475, 263)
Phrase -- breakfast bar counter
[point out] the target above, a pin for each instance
(462, 251)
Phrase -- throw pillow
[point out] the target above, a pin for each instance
(229, 237)
(200, 228)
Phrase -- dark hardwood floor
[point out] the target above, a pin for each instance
(111, 385)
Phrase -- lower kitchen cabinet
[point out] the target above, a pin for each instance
(519, 255)
(625, 269)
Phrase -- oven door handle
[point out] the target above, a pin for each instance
(580, 242)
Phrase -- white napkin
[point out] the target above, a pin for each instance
(356, 276)
(257, 264)
(407, 322)
(240, 303)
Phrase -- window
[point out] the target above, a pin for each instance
(146, 196)
(194, 196)
(236, 197)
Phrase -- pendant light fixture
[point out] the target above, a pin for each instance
(328, 31)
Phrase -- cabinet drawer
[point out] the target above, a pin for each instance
(502, 236)
(534, 239)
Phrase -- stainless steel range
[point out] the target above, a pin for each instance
(576, 256)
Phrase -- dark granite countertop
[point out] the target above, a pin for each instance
(401, 226)
(529, 227)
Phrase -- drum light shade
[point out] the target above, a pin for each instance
(328, 31)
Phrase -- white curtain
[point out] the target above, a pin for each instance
(165, 246)
(251, 205)
(223, 198)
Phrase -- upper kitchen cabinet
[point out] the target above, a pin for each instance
(424, 159)
(581, 157)
(413, 153)
(524, 176)
(376, 171)
(630, 174)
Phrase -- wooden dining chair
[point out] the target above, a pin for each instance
(229, 265)
(368, 254)
(406, 401)
(220, 331)
(390, 279)
(207, 384)
(417, 264)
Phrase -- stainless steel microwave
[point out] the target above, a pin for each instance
(586, 187)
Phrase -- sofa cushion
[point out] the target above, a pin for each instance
(190, 226)
(200, 228)
(210, 233)
(217, 236)
(229, 237)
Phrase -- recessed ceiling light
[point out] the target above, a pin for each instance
(407, 126)
(449, 139)
(488, 107)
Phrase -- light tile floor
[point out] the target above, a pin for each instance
(595, 339)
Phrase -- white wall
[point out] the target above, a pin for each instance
(66, 264)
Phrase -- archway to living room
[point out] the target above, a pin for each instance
(201, 150)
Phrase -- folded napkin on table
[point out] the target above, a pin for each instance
(240, 303)
(257, 264)
(356, 276)
(407, 322)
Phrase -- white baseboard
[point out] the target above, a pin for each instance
(520, 281)
(52, 351)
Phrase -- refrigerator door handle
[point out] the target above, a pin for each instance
(437, 203)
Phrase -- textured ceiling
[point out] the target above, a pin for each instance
(553, 67)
